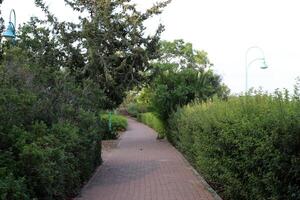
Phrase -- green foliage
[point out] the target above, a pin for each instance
(118, 51)
(137, 102)
(54, 83)
(246, 147)
(179, 54)
(183, 75)
(50, 140)
(118, 123)
(49, 162)
(154, 122)
(143, 99)
(12, 187)
(134, 109)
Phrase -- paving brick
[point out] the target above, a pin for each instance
(143, 168)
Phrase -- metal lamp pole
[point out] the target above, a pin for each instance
(249, 63)
(10, 32)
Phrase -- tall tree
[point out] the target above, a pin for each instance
(117, 50)
(109, 45)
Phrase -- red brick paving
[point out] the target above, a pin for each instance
(143, 168)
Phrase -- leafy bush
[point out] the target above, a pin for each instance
(184, 74)
(154, 122)
(49, 142)
(12, 187)
(247, 148)
(178, 88)
(51, 163)
(118, 123)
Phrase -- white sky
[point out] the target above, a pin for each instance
(225, 29)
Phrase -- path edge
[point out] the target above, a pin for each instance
(97, 170)
(188, 164)
(198, 175)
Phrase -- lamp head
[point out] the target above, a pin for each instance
(264, 65)
(10, 32)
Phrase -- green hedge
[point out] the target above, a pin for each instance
(50, 141)
(154, 122)
(118, 123)
(48, 162)
(247, 148)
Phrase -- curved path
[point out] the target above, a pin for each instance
(143, 168)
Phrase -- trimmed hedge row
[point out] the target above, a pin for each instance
(154, 122)
(247, 148)
(118, 123)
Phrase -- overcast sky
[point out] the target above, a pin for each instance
(224, 29)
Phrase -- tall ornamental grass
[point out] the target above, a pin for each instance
(247, 147)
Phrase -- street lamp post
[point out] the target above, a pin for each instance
(10, 32)
(249, 63)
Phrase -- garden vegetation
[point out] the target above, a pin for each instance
(154, 122)
(118, 123)
(246, 147)
(55, 81)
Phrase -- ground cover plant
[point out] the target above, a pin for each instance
(246, 147)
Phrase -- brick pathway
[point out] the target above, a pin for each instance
(143, 168)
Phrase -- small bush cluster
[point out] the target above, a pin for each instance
(247, 147)
(154, 122)
(118, 123)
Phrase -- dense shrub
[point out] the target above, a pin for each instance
(154, 122)
(247, 148)
(174, 89)
(50, 140)
(49, 162)
(12, 187)
(118, 123)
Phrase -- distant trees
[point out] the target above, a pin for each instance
(184, 74)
